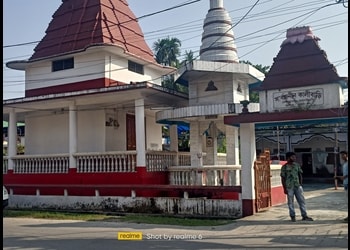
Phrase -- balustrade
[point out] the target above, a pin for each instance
(4, 164)
(124, 161)
(32, 164)
(226, 175)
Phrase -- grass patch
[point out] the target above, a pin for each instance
(133, 218)
(57, 215)
(180, 221)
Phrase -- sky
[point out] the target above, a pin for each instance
(259, 28)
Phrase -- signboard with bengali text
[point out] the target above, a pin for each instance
(298, 99)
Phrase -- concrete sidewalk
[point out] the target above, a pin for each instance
(272, 229)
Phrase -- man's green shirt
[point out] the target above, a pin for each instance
(291, 173)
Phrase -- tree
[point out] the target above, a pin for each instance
(167, 50)
(189, 57)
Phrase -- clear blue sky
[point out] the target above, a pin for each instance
(258, 35)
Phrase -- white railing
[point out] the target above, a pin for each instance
(225, 175)
(184, 159)
(125, 161)
(110, 162)
(107, 162)
(160, 160)
(30, 164)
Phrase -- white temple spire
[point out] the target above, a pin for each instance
(216, 4)
(217, 37)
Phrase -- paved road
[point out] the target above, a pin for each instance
(271, 229)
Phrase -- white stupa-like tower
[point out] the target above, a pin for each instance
(218, 37)
(217, 84)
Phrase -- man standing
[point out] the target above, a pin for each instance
(344, 178)
(291, 176)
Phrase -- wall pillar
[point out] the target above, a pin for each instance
(248, 156)
(232, 145)
(174, 142)
(12, 138)
(73, 134)
(140, 133)
(196, 145)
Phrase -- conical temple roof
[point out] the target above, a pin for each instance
(300, 62)
(79, 24)
(217, 38)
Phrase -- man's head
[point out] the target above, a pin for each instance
(344, 155)
(290, 156)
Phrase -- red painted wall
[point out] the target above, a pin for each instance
(145, 184)
(277, 196)
(72, 177)
(75, 86)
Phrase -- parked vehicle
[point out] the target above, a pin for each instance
(5, 197)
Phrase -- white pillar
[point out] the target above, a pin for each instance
(140, 133)
(72, 134)
(232, 145)
(174, 142)
(196, 145)
(248, 156)
(12, 138)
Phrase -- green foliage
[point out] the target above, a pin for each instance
(57, 215)
(189, 57)
(168, 81)
(184, 141)
(254, 96)
(167, 50)
(222, 145)
(180, 221)
(20, 149)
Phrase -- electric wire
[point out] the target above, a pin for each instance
(255, 32)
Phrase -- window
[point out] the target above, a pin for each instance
(62, 64)
(135, 67)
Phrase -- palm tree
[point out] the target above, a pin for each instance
(189, 57)
(167, 50)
